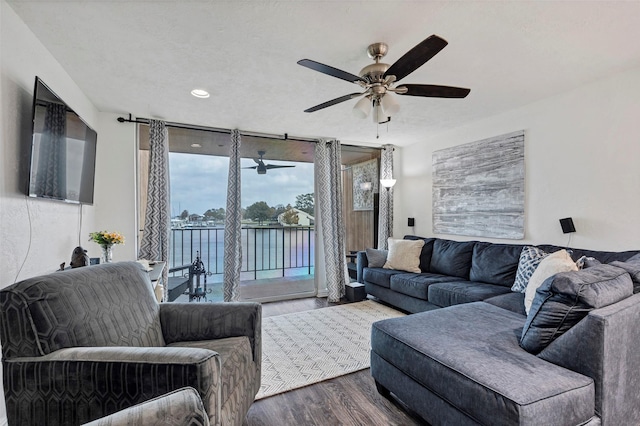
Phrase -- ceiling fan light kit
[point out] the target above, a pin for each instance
(379, 80)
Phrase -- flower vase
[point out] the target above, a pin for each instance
(107, 253)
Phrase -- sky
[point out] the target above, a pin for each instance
(199, 183)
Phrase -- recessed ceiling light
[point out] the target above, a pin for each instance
(199, 93)
(196, 145)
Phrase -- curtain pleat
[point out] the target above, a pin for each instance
(157, 220)
(385, 216)
(328, 162)
(233, 224)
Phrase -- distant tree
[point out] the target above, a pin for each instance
(290, 217)
(184, 214)
(259, 211)
(279, 209)
(215, 214)
(304, 202)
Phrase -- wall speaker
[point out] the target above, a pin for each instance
(411, 222)
(567, 225)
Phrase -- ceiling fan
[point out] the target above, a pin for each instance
(379, 80)
(261, 167)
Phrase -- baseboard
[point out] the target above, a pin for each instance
(323, 292)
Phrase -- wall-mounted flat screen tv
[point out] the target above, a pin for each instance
(63, 150)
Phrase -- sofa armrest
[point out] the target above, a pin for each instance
(605, 345)
(362, 261)
(180, 407)
(91, 382)
(185, 322)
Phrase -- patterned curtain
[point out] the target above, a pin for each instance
(51, 180)
(233, 224)
(157, 219)
(328, 162)
(385, 217)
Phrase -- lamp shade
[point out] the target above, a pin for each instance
(391, 107)
(387, 183)
(362, 107)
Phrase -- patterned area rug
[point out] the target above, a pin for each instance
(308, 347)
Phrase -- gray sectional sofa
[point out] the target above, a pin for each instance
(459, 360)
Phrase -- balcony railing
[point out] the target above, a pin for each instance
(266, 251)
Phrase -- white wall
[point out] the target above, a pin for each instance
(582, 151)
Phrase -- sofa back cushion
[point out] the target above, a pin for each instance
(103, 305)
(495, 263)
(452, 258)
(427, 251)
(602, 256)
(566, 298)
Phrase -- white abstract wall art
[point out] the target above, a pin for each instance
(478, 188)
(365, 184)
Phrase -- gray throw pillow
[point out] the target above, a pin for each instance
(632, 266)
(565, 298)
(530, 258)
(376, 258)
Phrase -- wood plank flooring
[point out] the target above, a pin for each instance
(346, 400)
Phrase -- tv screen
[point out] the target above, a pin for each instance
(63, 150)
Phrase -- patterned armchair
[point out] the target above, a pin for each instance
(82, 344)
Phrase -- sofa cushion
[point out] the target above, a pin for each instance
(404, 255)
(559, 261)
(530, 258)
(377, 258)
(457, 292)
(426, 253)
(469, 356)
(379, 276)
(495, 263)
(602, 256)
(512, 301)
(417, 285)
(565, 298)
(452, 258)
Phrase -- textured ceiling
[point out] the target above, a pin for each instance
(144, 57)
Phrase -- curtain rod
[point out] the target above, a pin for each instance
(284, 137)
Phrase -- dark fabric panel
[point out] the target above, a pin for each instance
(399, 300)
(457, 292)
(380, 276)
(495, 263)
(417, 285)
(513, 302)
(426, 253)
(480, 369)
(565, 298)
(452, 258)
(605, 346)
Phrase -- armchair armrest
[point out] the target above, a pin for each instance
(91, 382)
(361, 263)
(183, 322)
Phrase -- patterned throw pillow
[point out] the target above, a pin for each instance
(530, 258)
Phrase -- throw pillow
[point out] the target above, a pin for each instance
(376, 258)
(530, 258)
(404, 255)
(632, 266)
(565, 298)
(554, 263)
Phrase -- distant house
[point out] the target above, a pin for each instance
(304, 218)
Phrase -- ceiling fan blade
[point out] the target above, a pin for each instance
(273, 166)
(254, 167)
(416, 57)
(433, 91)
(333, 72)
(257, 161)
(333, 102)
